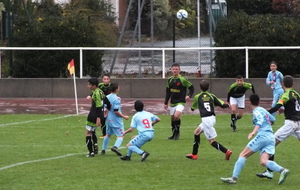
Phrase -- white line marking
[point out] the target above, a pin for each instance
(40, 160)
(30, 121)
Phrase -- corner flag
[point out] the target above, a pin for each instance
(71, 67)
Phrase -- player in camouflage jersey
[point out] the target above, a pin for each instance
(176, 92)
(105, 87)
(290, 99)
(236, 99)
(206, 103)
(95, 116)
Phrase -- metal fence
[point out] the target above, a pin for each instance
(156, 59)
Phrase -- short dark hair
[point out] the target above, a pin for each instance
(204, 85)
(273, 62)
(175, 65)
(93, 81)
(239, 77)
(288, 81)
(254, 99)
(138, 105)
(105, 75)
(114, 87)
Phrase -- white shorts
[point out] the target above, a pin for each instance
(239, 102)
(290, 128)
(90, 128)
(207, 126)
(179, 108)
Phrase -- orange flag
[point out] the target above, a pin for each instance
(71, 67)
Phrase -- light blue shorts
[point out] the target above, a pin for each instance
(114, 130)
(263, 143)
(142, 138)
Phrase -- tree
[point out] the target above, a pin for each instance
(250, 7)
(286, 6)
(82, 23)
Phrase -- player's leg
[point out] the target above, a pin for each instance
(88, 140)
(196, 144)
(233, 105)
(103, 127)
(106, 139)
(172, 111)
(95, 141)
(176, 118)
(119, 133)
(238, 166)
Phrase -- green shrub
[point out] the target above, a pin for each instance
(241, 29)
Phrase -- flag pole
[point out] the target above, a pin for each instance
(75, 91)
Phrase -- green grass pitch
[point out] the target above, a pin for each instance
(48, 152)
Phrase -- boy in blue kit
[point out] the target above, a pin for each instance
(114, 120)
(143, 121)
(264, 142)
(95, 116)
(275, 80)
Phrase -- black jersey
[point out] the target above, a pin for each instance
(96, 109)
(236, 91)
(290, 99)
(206, 103)
(177, 90)
(105, 88)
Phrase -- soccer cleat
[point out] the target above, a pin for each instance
(92, 154)
(144, 156)
(191, 156)
(228, 180)
(176, 137)
(102, 152)
(283, 176)
(115, 150)
(125, 158)
(96, 148)
(233, 127)
(266, 174)
(171, 138)
(228, 154)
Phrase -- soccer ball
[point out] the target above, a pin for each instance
(182, 14)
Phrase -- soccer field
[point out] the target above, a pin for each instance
(49, 152)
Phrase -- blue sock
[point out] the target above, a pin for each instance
(129, 152)
(274, 166)
(118, 142)
(239, 165)
(105, 142)
(135, 149)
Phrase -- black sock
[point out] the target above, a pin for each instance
(196, 144)
(177, 125)
(173, 124)
(103, 127)
(233, 118)
(272, 159)
(219, 147)
(94, 137)
(89, 144)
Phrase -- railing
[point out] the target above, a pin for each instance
(163, 50)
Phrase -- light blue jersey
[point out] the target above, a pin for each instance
(277, 77)
(112, 119)
(142, 121)
(264, 140)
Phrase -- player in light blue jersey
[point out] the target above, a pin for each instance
(114, 120)
(143, 121)
(264, 142)
(275, 80)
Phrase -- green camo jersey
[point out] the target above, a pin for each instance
(236, 91)
(96, 108)
(206, 103)
(105, 88)
(177, 90)
(290, 100)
